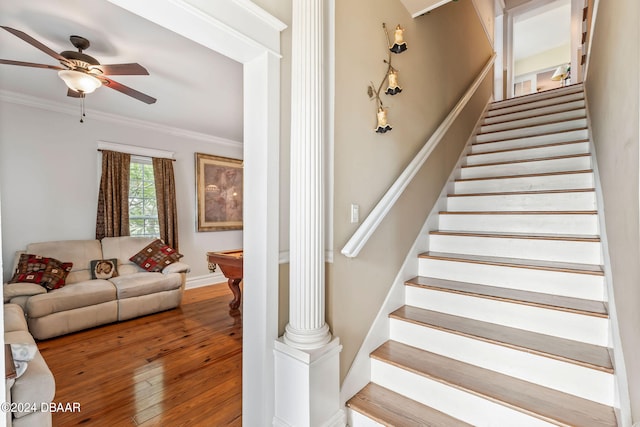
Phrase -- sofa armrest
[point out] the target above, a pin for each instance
(12, 290)
(176, 267)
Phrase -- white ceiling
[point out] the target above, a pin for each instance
(542, 29)
(197, 89)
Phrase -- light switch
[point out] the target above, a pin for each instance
(355, 213)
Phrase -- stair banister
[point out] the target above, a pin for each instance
(380, 211)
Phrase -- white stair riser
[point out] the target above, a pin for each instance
(531, 183)
(576, 201)
(531, 153)
(541, 166)
(540, 249)
(457, 403)
(577, 327)
(532, 130)
(521, 223)
(356, 419)
(537, 120)
(531, 141)
(534, 112)
(576, 285)
(524, 104)
(563, 376)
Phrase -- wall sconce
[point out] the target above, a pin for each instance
(390, 76)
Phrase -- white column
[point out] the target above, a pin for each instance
(307, 357)
(307, 328)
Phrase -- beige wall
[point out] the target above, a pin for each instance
(613, 93)
(543, 60)
(447, 49)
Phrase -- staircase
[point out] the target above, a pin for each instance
(506, 324)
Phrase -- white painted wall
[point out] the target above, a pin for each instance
(49, 177)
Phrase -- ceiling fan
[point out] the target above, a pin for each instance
(82, 73)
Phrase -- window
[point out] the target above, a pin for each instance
(143, 210)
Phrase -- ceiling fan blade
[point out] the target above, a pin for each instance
(128, 91)
(29, 64)
(122, 69)
(35, 43)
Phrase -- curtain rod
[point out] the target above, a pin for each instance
(173, 160)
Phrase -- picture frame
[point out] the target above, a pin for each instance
(219, 192)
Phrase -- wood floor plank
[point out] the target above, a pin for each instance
(394, 410)
(541, 402)
(579, 353)
(178, 367)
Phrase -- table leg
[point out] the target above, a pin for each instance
(234, 285)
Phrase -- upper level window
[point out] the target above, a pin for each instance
(143, 209)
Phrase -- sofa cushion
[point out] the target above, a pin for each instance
(36, 385)
(14, 319)
(156, 256)
(124, 248)
(13, 290)
(45, 271)
(138, 284)
(104, 268)
(79, 252)
(73, 296)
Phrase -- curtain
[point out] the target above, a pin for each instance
(166, 201)
(113, 199)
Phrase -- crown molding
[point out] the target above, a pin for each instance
(58, 107)
(260, 13)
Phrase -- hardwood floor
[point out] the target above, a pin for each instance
(181, 367)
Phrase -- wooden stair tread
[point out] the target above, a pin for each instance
(537, 159)
(529, 136)
(535, 97)
(512, 193)
(535, 116)
(395, 410)
(532, 126)
(565, 267)
(518, 212)
(532, 236)
(507, 150)
(557, 302)
(538, 401)
(579, 353)
(528, 175)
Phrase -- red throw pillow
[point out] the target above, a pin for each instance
(47, 272)
(155, 256)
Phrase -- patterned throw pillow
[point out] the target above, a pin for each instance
(47, 272)
(104, 268)
(156, 256)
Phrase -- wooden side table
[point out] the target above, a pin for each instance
(9, 367)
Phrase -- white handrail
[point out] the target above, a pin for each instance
(380, 211)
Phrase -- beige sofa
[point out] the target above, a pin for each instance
(84, 302)
(30, 393)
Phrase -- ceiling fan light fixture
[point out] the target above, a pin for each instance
(79, 81)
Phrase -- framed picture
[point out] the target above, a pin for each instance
(219, 190)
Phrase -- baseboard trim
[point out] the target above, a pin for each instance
(206, 280)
